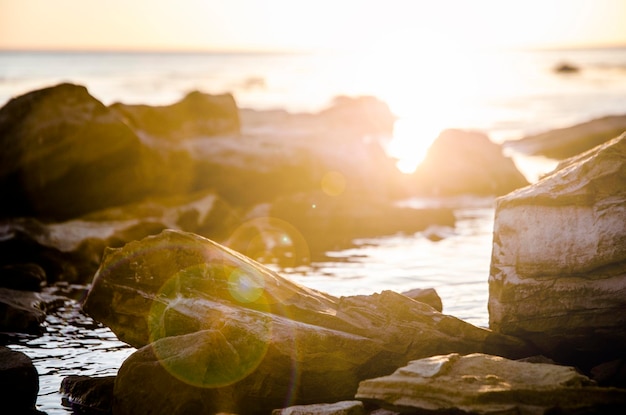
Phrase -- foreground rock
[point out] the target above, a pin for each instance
(567, 142)
(19, 383)
(220, 332)
(558, 268)
(483, 384)
(466, 162)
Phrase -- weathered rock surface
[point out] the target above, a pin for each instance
(558, 267)
(183, 295)
(466, 162)
(19, 383)
(567, 142)
(65, 154)
(483, 384)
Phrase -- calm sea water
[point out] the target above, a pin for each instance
(506, 94)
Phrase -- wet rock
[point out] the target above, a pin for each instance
(70, 251)
(567, 142)
(427, 296)
(24, 311)
(88, 395)
(196, 306)
(197, 114)
(337, 408)
(65, 154)
(19, 383)
(24, 276)
(483, 384)
(465, 162)
(558, 274)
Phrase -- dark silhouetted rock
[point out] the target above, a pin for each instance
(22, 276)
(24, 311)
(558, 273)
(88, 395)
(464, 162)
(483, 384)
(566, 68)
(19, 383)
(220, 332)
(196, 115)
(567, 142)
(65, 154)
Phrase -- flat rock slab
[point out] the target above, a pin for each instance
(484, 384)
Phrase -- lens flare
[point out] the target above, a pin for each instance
(271, 241)
(333, 183)
(245, 287)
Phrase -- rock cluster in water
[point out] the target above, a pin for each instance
(217, 331)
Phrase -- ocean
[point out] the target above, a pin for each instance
(506, 94)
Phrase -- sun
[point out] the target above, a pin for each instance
(419, 80)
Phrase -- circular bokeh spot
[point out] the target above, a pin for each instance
(333, 183)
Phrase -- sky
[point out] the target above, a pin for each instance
(281, 25)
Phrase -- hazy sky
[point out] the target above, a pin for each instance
(307, 24)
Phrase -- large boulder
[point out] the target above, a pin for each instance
(196, 115)
(483, 384)
(558, 273)
(65, 154)
(224, 332)
(567, 142)
(466, 162)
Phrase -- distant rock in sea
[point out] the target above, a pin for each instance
(567, 142)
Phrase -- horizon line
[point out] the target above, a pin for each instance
(268, 51)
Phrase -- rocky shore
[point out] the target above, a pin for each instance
(168, 214)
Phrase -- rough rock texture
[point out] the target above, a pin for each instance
(484, 384)
(197, 114)
(466, 162)
(19, 382)
(558, 267)
(567, 142)
(184, 295)
(64, 154)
